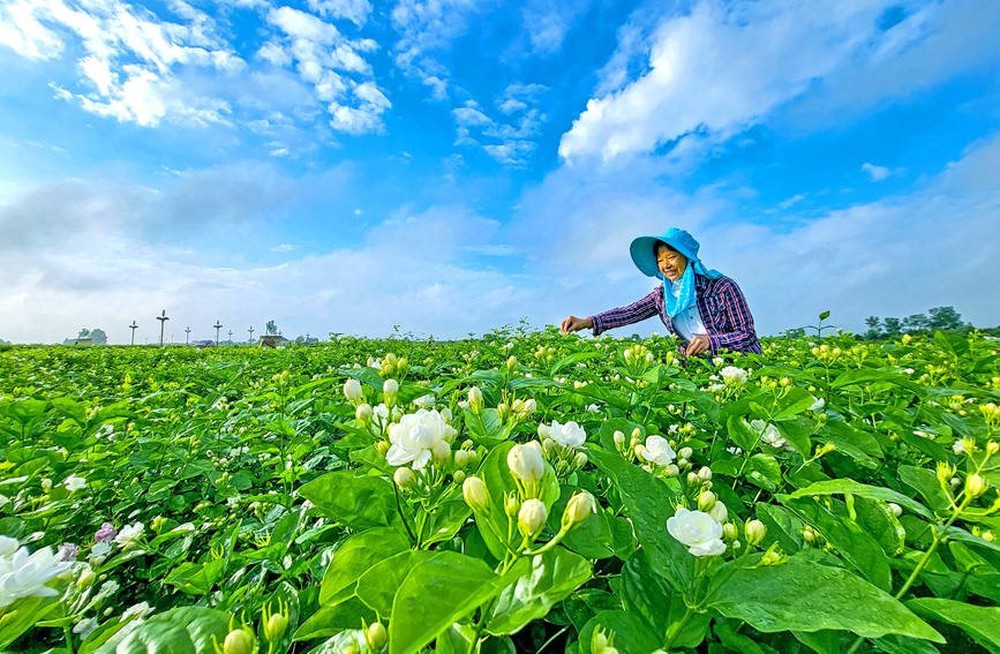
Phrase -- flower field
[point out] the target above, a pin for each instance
(523, 492)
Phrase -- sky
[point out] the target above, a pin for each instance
(448, 167)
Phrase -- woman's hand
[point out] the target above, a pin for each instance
(697, 345)
(573, 324)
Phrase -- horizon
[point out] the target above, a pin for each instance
(457, 166)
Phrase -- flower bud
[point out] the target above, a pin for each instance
(671, 470)
(992, 447)
(458, 476)
(706, 500)
(86, 579)
(404, 477)
(730, 532)
(475, 400)
(441, 451)
(476, 495)
(239, 641)
(391, 388)
(975, 485)
(363, 413)
(526, 462)
(693, 479)
(755, 531)
(353, 391)
(511, 505)
(382, 447)
(896, 509)
(580, 459)
(685, 453)
(376, 635)
(531, 518)
(580, 507)
(719, 512)
(275, 626)
(619, 438)
(462, 458)
(705, 473)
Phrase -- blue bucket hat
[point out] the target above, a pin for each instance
(645, 257)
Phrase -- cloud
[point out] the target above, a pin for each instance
(130, 60)
(356, 11)
(548, 23)
(425, 29)
(700, 82)
(875, 173)
(509, 138)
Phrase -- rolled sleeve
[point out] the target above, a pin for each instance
(626, 315)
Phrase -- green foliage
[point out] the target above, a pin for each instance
(248, 492)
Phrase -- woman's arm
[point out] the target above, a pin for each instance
(620, 316)
(740, 333)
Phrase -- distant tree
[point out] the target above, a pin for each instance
(795, 332)
(892, 327)
(944, 318)
(271, 328)
(84, 333)
(915, 322)
(98, 337)
(874, 324)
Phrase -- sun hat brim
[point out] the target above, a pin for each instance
(645, 258)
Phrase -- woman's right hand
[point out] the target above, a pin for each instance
(572, 324)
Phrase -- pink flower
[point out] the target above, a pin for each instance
(106, 533)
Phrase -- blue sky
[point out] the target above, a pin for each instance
(451, 166)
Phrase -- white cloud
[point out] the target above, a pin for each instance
(129, 58)
(875, 173)
(509, 138)
(356, 11)
(548, 23)
(701, 77)
(425, 28)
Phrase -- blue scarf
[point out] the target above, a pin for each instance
(688, 295)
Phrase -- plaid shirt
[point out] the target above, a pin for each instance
(720, 302)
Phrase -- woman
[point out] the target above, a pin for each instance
(703, 307)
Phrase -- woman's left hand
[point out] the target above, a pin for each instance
(697, 345)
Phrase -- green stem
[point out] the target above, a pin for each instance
(677, 627)
(68, 635)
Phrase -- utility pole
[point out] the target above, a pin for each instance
(163, 321)
(187, 336)
(230, 337)
(218, 326)
(133, 327)
(251, 334)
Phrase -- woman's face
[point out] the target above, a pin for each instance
(670, 262)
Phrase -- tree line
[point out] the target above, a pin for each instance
(938, 318)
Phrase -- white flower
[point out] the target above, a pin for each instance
(84, 627)
(25, 575)
(415, 436)
(733, 376)
(658, 451)
(139, 610)
(768, 433)
(424, 401)
(74, 483)
(526, 462)
(958, 446)
(817, 404)
(390, 387)
(352, 390)
(100, 550)
(698, 531)
(129, 534)
(8, 546)
(570, 435)
(719, 513)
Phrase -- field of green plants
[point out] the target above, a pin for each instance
(522, 492)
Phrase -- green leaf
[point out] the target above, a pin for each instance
(631, 633)
(980, 622)
(355, 556)
(926, 483)
(377, 587)
(851, 487)
(552, 576)
(196, 578)
(852, 542)
(792, 403)
(20, 616)
(650, 501)
(184, 630)
(765, 472)
(802, 595)
(358, 502)
(435, 594)
(330, 620)
(742, 433)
